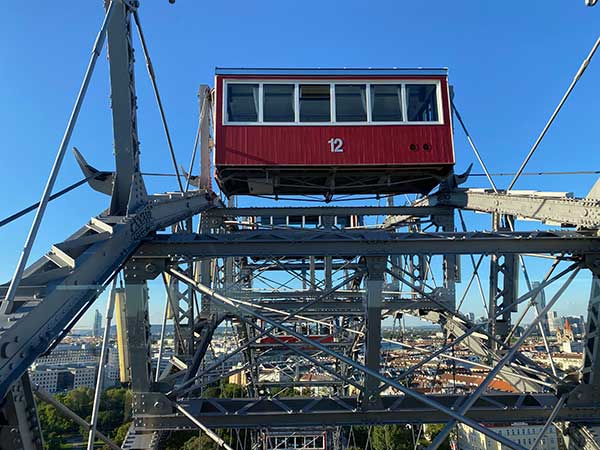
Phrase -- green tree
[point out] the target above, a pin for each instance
(52, 422)
(80, 401)
(358, 436)
(52, 442)
(231, 390)
(391, 437)
(121, 433)
(110, 420)
(178, 439)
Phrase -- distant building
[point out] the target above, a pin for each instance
(64, 355)
(239, 377)
(521, 433)
(97, 325)
(111, 372)
(540, 303)
(44, 377)
(72, 366)
(553, 321)
(60, 379)
(577, 324)
(83, 376)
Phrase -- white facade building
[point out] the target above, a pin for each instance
(70, 354)
(83, 376)
(44, 377)
(111, 372)
(521, 433)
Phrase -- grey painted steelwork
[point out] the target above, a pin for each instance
(264, 412)
(373, 305)
(128, 187)
(591, 359)
(19, 421)
(366, 243)
(238, 308)
(58, 288)
(323, 211)
(531, 205)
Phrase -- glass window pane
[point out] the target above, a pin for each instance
(278, 103)
(242, 102)
(386, 102)
(422, 103)
(350, 102)
(314, 103)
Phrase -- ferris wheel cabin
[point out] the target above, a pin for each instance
(332, 131)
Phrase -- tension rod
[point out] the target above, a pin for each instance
(7, 304)
(578, 75)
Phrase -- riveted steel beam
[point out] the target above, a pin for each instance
(302, 244)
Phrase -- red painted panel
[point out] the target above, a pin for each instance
(304, 145)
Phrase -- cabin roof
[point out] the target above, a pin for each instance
(366, 72)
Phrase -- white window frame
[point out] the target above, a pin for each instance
(334, 111)
(438, 101)
(332, 82)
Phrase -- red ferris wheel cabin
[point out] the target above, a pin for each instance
(332, 131)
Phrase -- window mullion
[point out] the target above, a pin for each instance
(260, 102)
(332, 103)
(404, 104)
(368, 103)
(296, 102)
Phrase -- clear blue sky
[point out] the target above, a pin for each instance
(509, 62)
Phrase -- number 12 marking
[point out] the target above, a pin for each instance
(337, 145)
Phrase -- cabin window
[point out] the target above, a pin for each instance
(242, 102)
(386, 102)
(315, 103)
(350, 103)
(422, 103)
(323, 102)
(278, 103)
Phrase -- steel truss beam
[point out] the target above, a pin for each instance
(547, 207)
(58, 288)
(344, 307)
(338, 211)
(300, 412)
(302, 244)
(237, 308)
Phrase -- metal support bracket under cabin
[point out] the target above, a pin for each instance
(504, 283)
(373, 303)
(552, 208)
(136, 342)
(451, 262)
(182, 308)
(137, 328)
